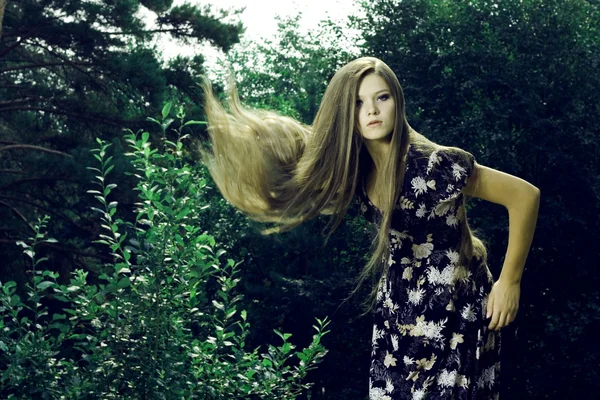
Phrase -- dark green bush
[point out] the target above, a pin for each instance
(160, 321)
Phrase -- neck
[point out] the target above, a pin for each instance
(379, 150)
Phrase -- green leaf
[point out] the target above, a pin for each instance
(124, 282)
(166, 110)
(183, 213)
(194, 123)
(145, 137)
(58, 316)
(267, 363)
(45, 285)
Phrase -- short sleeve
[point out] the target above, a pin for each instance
(452, 171)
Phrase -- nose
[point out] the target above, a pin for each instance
(373, 110)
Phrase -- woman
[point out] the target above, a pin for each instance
(437, 311)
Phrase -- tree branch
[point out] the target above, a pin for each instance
(24, 100)
(50, 64)
(45, 179)
(32, 147)
(21, 216)
(47, 210)
(113, 122)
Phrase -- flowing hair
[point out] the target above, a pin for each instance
(278, 170)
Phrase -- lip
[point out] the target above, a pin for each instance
(373, 123)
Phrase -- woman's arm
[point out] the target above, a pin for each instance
(522, 200)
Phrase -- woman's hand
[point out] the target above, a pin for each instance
(503, 303)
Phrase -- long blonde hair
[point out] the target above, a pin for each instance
(278, 170)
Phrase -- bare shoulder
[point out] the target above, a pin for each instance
(498, 187)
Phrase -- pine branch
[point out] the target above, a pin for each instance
(43, 65)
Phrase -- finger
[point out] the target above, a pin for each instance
(494, 322)
(510, 317)
(501, 321)
(490, 305)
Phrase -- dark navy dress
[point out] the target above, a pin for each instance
(430, 337)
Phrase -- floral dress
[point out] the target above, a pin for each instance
(430, 336)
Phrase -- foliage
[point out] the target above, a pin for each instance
(290, 72)
(162, 320)
(74, 70)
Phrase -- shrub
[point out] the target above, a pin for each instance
(160, 321)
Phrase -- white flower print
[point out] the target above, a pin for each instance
(487, 377)
(450, 188)
(419, 185)
(394, 338)
(419, 394)
(421, 211)
(433, 330)
(390, 304)
(391, 260)
(452, 256)
(378, 394)
(468, 313)
(415, 296)
(422, 250)
(405, 203)
(431, 215)
(397, 238)
(429, 329)
(446, 277)
(389, 387)
(447, 379)
(433, 159)
(377, 334)
(407, 273)
(457, 171)
(442, 208)
(425, 363)
(408, 361)
(405, 260)
(451, 220)
(456, 339)
(389, 360)
(431, 184)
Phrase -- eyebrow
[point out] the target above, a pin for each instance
(376, 93)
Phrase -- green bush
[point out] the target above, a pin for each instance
(160, 321)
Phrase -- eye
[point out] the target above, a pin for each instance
(358, 103)
(384, 97)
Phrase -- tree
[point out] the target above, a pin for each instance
(290, 72)
(71, 71)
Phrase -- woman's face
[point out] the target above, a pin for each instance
(375, 108)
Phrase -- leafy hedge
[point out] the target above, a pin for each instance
(161, 320)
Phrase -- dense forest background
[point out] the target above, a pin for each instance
(515, 83)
